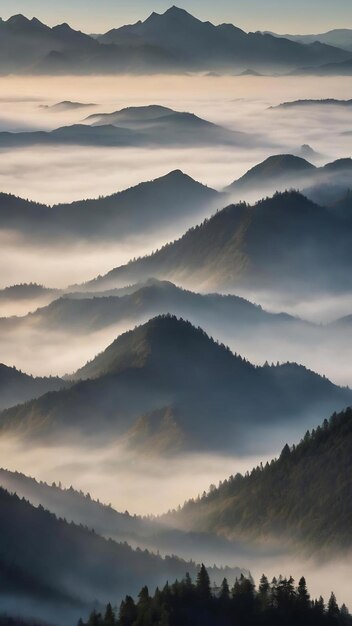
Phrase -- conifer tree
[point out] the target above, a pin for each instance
(303, 596)
(333, 609)
(203, 583)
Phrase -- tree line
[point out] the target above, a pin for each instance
(185, 603)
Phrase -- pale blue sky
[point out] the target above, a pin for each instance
(294, 16)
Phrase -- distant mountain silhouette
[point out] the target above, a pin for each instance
(342, 68)
(302, 499)
(284, 167)
(84, 313)
(313, 103)
(201, 45)
(166, 126)
(280, 172)
(250, 72)
(67, 105)
(170, 200)
(166, 386)
(173, 42)
(24, 42)
(135, 126)
(305, 151)
(17, 387)
(26, 291)
(57, 568)
(339, 37)
(308, 249)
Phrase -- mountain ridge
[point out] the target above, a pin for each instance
(172, 42)
(166, 369)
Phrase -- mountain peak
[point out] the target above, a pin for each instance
(177, 11)
(18, 20)
(165, 339)
(174, 13)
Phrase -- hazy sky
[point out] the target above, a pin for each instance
(280, 15)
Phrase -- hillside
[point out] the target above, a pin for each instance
(308, 250)
(17, 387)
(145, 533)
(61, 568)
(29, 291)
(302, 498)
(160, 387)
(173, 199)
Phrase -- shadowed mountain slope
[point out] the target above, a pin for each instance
(166, 386)
(302, 498)
(170, 200)
(64, 566)
(17, 387)
(309, 246)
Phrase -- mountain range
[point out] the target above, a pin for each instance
(309, 246)
(302, 499)
(133, 127)
(202, 45)
(95, 318)
(140, 532)
(166, 202)
(85, 312)
(340, 68)
(339, 37)
(172, 42)
(166, 387)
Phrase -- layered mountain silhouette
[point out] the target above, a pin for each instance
(166, 386)
(339, 37)
(82, 312)
(162, 125)
(146, 533)
(302, 499)
(57, 568)
(163, 203)
(342, 68)
(17, 387)
(309, 248)
(202, 45)
(174, 41)
(284, 171)
(137, 126)
(24, 43)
